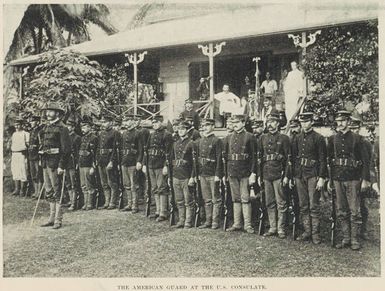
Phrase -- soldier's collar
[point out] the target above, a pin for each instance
(54, 121)
(242, 130)
(343, 133)
(309, 131)
(207, 135)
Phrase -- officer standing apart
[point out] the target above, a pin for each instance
(87, 151)
(56, 148)
(158, 148)
(310, 171)
(132, 156)
(210, 163)
(349, 163)
(241, 163)
(182, 162)
(73, 166)
(107, 162)
(273, 168)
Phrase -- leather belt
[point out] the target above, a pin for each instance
(204, 161)
(84, 153)
(179, 162)
(154, 152)
(52, 151)
(306, 162)
(129, 152)
(239, 157)
(105, 151)
(272, 157)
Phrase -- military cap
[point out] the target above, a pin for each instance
(268, 97)
(189, 120)
(208, 121)
(157, 118)
(240, 117)
(273, 115)
(188, 101)
(306, 116)
(184, 124)
(355, 123)
(294, 123)
(342, 115)
(257, 123)
(54, 106)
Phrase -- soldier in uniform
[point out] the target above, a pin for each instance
(210, 163)
(132, 156)
(349, 162)
(87, 155)
(158, 148)
(294, 127)
(72, 179)
(273, 159)
(192, 131)
(106, 159)
(241, 163)
(310, 171)
(33, 155)
(55, 150)
(189, 112)
(183, 177)
(355, 126)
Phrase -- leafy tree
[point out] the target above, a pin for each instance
(67, 77)
(343, 65)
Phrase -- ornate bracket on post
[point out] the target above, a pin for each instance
(301, 40)
(208, 50)
(135, 59)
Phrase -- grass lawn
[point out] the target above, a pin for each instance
(113, 244)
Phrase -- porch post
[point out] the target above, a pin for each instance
(21, 84)
(136, 59)
(209, 51)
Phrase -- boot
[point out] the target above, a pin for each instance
(182, 217)
(107, 196)
(71, 194)
(354, 237)
(306, 235)
(209, 216)
(52, 212)
(237, 208)
(157, 204)
(114, 197)
(282, 224)
(134, 201)
(17, 188)
(315, 230)
(189, 217)
(272, 214)
(364, 231)
(246, 210)
(36, 192)
(23, 189)
(216, 215)
(345, 228)
(58, 216)
(163, 201)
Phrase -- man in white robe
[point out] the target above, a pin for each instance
(293, 89)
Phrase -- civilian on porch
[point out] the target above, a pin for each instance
(228, 101)
(294, 90)
(269, 86)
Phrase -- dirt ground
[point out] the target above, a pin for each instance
(109, 243)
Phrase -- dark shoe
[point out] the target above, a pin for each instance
(187, 226)
(135, 210)
(304, 237)
(215, 226)
(153, 216)
(57, 226)
(355, 246)
(203, 226)
(127, 208)
(160, 219)
(71, 208)
(47, 224)
(111, 207)
(272, 233)
(231, 229)
(343, 244)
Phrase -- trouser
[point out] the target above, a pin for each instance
(348, 199)
(71, 185)
(276, 205)
(212, 199)
(36, 173)
(240, 194)
(52, 184)
(309, 204)
(109, 183)
(159, 191)
(364, 214)
(130, 185)
(87, 184)
(184, 201)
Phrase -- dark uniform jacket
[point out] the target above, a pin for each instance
(131, 148)
(87, 150)
(107, 147)
(240, 154)
(182, 158)
(159, 147)
(34, 144)
(349, 157)
(309, 155)
(273, 156)
(193, 134)
(210, 156)
(55, 145)
(75, 145)
(144, 134)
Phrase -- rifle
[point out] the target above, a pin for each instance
(171, 185)
(333, 216)
(77, 188)
(198, 189)
(262, 210)
(120, 174)
(226, 190)
(98, 187)
(293, 210)
(148, 190)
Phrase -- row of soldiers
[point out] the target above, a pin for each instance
(265, 161)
